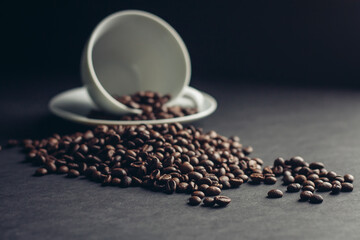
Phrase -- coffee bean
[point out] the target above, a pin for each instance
(51, 167)
(194, 200)
(212, 191)
(204, 180)
(222, 201)
(305, 195)
(236, 182)
(316, 165)
(308, 182)
(331, 175)
(288, 179)
(115, 181)
(317, 182)
(279, 162)
(186, 167)
(275, 193)
(170, 186)
(315, 198)
(308, 188)
(209, 201)
(270, 180)
(346, 187)
(183, 186)
(200, 194)
(73, 173)
(294, 187)
(62, 170)
(324, 187)
(41, 172)
(312, 177)
(257, 178)
(278, 170)
(300, 179)
(348, 178)
(170, 157)
(336, 188)
(126, 182)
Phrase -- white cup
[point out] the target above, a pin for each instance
(131, 51)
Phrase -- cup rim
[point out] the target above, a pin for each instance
(95, 35)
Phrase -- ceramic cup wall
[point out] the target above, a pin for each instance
(132, 51)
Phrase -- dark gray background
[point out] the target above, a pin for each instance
(291, 41)
(320, 124)
(286, 77)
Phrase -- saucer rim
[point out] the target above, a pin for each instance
(93, 121)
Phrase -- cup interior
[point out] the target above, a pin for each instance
(136, 51)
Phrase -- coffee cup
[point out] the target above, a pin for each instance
(131, 51)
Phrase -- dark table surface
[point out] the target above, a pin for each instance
(317, 123)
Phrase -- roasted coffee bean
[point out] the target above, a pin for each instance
(183, 186)
(73, 173)
(297, 161)
(294, 187)
(126, 182)
(331, 175)
(300, 179)
(170, 186)
(212, 191)
(317, 182)
(236, 182)
(308, 182)
(324, 187)
(62, 170)
(200, 194)
(41, 172)
(315, 198)
(209, 201)
(244, 177)
(270, 180)
(186, 167)
(194, 200)
(257, 178)
(278, 170)
(106, 180)
(308, 188)
(316, 165)
(288, 179)
(222, 201)
(51, 167)
(275, 193)
(348, 178)
(169, 157)
(336, 188)
(204, 180)
(203, 187)
(346, 187)
(115, 181)
(339, 178)
(279, 162)
(305, 195)
(312, 177)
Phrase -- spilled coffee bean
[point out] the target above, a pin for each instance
(172, 158)
(275, 193)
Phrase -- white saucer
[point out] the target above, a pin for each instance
(75, 105)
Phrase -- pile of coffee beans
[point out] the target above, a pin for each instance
(173, 158)
(152, 105)
(168, 158)
(299, 175)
